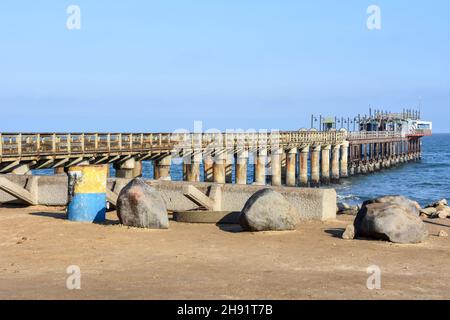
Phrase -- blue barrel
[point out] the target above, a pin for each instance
(87, 193)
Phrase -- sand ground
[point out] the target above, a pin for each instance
(210, 262)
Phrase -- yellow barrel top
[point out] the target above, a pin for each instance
(89, 178)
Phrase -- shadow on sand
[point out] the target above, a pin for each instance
(335, 232)
(232, 228)
(63, 216)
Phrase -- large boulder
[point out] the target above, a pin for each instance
(140, 205)
(389, 221)
(267, 210)
(412, 206)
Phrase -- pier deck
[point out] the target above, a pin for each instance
(292, 158)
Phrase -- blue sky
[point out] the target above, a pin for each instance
(160, 65)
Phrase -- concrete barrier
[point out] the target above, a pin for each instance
(312, 204)
(51, 190)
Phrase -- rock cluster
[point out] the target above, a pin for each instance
(439, 209)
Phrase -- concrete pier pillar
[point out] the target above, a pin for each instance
(344, 159)
(241, 167)
(315, 166)
(335, 155)
(364, 167)
(352, 169)
(411, 154)
(419, 149)
(260, 167)
(387, 162)
(219, 166)
(186, 169)
(128, 169)
(208, 168)
(59, 170)
(359, 166)
(229, 159)
(303, 165)
(193, 174)
(291, 158)
(416, 149)
(187, 156)
(365, 156)
(283, 167)
(325, 164)
(161, 168)
(276, 167)
(377, 165)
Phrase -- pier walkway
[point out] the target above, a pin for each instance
(292, 158)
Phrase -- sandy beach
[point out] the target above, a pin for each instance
(192, 261)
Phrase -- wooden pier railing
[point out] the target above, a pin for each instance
(29, 145)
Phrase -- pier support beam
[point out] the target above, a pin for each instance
(260, 167)
(229, 159)
(283, 167)
(359, 167)
(276, 167)
(303, 165)
(128, 169)
(208, 168)
(352, 170)
(291, 158)
(219, 166)
(59, 170)
(344, 159)
(335, 174)
(325, 164)
(241, 167)
(161, 168)
(315, 166)
(193, 174)
(21, 169)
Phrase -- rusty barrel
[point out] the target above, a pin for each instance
(87, 193)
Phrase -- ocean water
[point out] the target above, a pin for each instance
(425, 181)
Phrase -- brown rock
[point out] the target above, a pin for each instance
(443, 234)
(443, 213)
(349, 233)
(429, 212)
